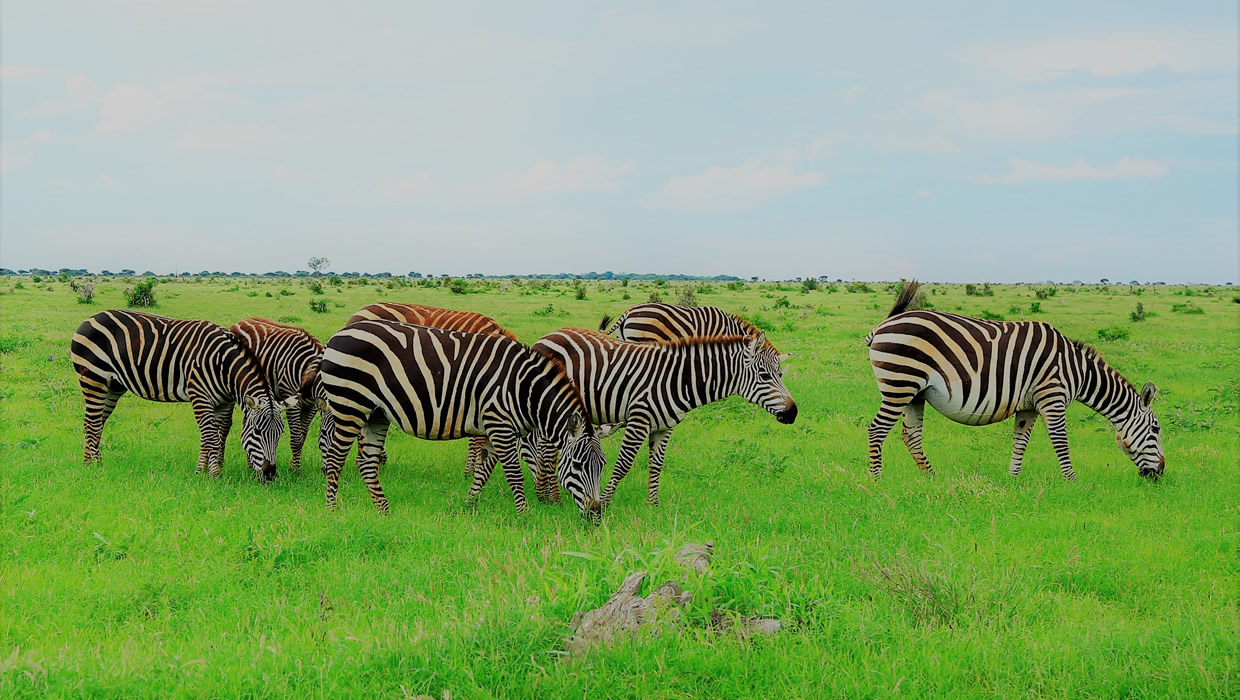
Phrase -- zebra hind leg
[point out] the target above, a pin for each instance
(1057, 427)
(658, 447)
(914, 419)
(298, 427)
(343, 436)
(888, 413)
(482, 472)
(1020, 438)
(101, 397)
(374, 434)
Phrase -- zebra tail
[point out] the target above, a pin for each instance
(904, 301)
(603, 324)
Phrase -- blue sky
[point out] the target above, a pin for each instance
(947, 141)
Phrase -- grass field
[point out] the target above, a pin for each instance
(137, 577)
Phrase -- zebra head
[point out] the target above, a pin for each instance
(1140, 436)
(261, 429)
(580, 465)
(761, 380)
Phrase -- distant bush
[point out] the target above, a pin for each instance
(316, 287)
(736, 286)
(655, 297)
(1113, 333)
(1035, 307)
(19, 285)
(549, 310)
(289, 319)
(782, 303)
(318, 306)
(760, 322)
(660, 282)
(809, 285)
(624, 282)
(287, 292)
(991, 316)
(85, 291)
(1014, 310)
(705, 289)
(458, 287)
(142, 294)
(858, 288)
(1046, 292)
(1187, 307)
(685, 295)
(1139, 314)
(625, 295)
(268, 293)
(36, 279)
(335, 281)
(579, 290)
(973, 290)
(251, 294)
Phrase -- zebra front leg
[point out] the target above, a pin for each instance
(482, 472)
(209, 445)
(503, 443)
(299, 419)
(914, 418)
(343, 436)
(101, 399)
(634, 435)
(223, 426)
(477, 448)
(658, 446)
(888, 413)
(1052, 412)
(373, 435)
(1020, 438)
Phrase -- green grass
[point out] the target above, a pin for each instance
(137, 577)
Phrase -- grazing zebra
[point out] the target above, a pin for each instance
(652, 386)
(448, 320)
(165, 359)
(444, 385)
(655, 321)
(290, 357)
(981, 372)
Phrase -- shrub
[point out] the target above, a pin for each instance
(782, 303)
(318, 306)
(660, 282)
(1035, 307)
(458, 287)
(268, 293)
(705, 289)
(36, 279)
(549, 310)
(626, 295)
(1187, 307)
(19, 285)
(579, 290)
(85, 291)
(685, 295)
(142, 294)
(287, 292)
(289, 319)
(1139, 314)
(624, 282)
(1113, 333)
(1046, 292)
(655, 297)
(1014, 310)
(736, 286)
(858, 288)
(991, 316)
(316, 287)
(334, 281)
(809, 285)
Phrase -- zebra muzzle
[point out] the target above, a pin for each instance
(788, 415)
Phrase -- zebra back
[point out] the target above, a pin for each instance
(447, 319)
(289, 355)
(157, 358)
(654, 321)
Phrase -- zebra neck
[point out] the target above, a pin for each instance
(1106, 391)
(705, 374)
(240, 373)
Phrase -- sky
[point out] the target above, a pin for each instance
(945, 141)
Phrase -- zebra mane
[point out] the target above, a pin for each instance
(302, 331)
(700, 340)
(258, 364)
(1091, 354)
(751, 329)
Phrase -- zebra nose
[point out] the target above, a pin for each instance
(789, 414)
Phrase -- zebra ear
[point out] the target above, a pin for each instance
(607, 430)
(249, 402)
(756, 343)
(1148, 392)
(784, 357)
(324, 407)
(290, 403)
(576, 425)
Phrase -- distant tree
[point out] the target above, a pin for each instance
(127, 272)
(753, 279)
(7, 271)
(318, 265)
(1105, 281)
(415, 275)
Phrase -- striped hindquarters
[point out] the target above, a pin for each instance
(447, 319)
(288, 354)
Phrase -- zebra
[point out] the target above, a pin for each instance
(165, 359)
(652, 386)
(444, 385)
(449, 320)
(290, 357)
(979, 372)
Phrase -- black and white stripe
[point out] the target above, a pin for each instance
(290, 358)
(652, 386)
(444, 385)
(980, 372)
(165, 359)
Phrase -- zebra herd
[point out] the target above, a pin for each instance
(442, 375)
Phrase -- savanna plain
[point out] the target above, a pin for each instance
(137, 577)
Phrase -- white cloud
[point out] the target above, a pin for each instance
(9, 159)
(81, 91)
(1030, 170)
(26, 71)
(129, 107)
(742, 188)
(585, 174)
(925, 194)
(42, 136)
(420, 185)
(933, 143)
(1110, 54)
(210, 137)
(287, 174)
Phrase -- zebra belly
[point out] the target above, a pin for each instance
(983, 412)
